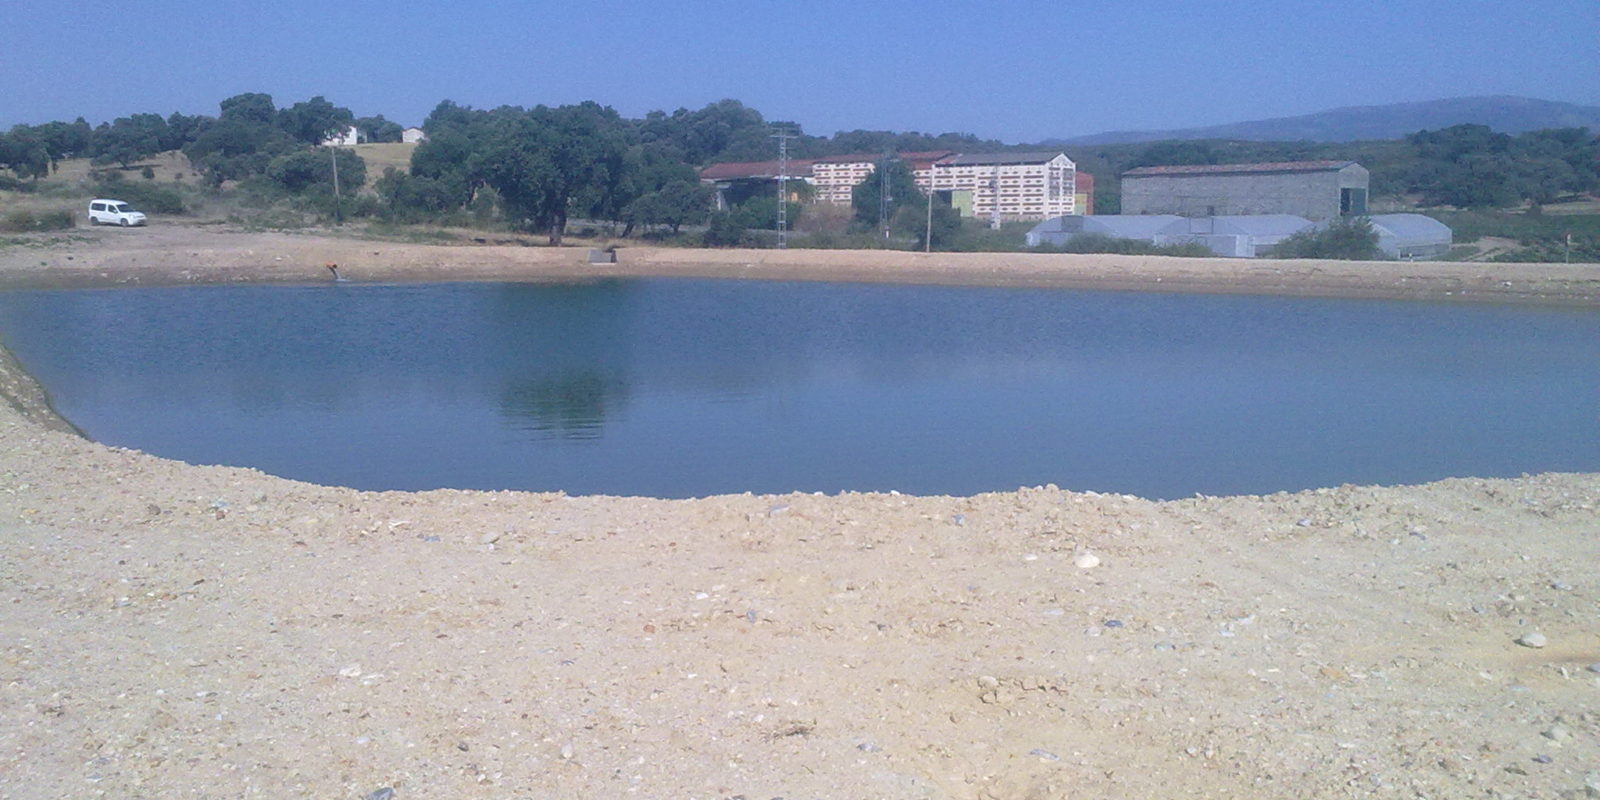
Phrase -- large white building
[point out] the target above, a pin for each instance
(1020, 186)
(836, 177)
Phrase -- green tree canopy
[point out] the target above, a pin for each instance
(303, 169)
(540, 161)
(378, 129)
(24, 152)
(676, 204)
(235, 148)
(182, 130)
(129, 139)
(942, 222)
(67, 140)
(314, 120)
(252, 108)
(413, 198)
(871, 213)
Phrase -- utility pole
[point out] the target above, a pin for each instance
(994, 199)
(338, 207)
(927, 236)
(883, 193)
(783, 187)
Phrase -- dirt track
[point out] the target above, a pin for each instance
(181, 631)
(193, 254)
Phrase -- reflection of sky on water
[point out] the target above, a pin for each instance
(693, 387)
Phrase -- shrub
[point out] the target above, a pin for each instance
(1585, 251)
(148, 173)
(975, 236)
(25, 221)
(271, 219)
(1350, 239)
(1101, 243)
(302, 169)
(725, 230)
(148, 197)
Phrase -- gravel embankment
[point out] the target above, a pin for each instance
(183, 631)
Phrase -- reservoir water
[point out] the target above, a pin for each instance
(688, 388)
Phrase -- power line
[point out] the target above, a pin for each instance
(783, 187)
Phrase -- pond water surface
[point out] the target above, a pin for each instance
(687, 388)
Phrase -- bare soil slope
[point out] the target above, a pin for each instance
(188, 631)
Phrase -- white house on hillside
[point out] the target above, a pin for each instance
(350, 136)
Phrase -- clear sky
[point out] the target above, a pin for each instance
(1017, 71)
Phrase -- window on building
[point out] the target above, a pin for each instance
(1353, 202)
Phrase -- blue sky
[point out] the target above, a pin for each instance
(1016, 71)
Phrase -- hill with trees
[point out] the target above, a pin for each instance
(535, 169)
(1503, 113)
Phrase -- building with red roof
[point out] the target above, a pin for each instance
(1007, 186)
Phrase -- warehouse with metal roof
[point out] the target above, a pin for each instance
(1316, 190)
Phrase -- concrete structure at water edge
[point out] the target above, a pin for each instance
(1316, 190)
(1412, 237)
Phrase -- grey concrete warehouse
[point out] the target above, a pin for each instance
(1316, 190)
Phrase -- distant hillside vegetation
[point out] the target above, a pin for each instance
(1503, 113)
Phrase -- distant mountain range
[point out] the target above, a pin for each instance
(1503, 113)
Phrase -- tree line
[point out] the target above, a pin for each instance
(534, 168)
(240, 140)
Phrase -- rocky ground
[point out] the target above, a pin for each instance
(177, 631)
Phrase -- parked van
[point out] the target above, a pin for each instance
(114, 212)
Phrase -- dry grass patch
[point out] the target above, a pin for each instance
(165, 167)
(384, 155)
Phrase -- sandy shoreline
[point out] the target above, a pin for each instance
(176, 255)
(189, 631)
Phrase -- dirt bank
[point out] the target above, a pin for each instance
(188, 631)
(167, 254)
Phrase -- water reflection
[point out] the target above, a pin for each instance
(573, 405)
(565, 355)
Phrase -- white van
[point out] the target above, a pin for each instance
(114, 212)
